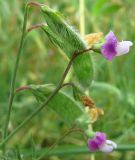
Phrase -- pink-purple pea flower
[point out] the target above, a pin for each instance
(112, 47)
(99, 142)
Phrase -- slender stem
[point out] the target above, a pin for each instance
(84, 51)
(13, 81)
(76, 150)
(71, 84)
(22, 88)
(11, 97)
(35, 4)
(82, 31)
(82, 17)
(37, 26)
(68, 84)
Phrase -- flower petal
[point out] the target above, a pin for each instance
(92, 145)
(108, 49)
(97, 141)
(108, 147)
(100, 138)
(123, 47)
(109, 142)
(110, 37)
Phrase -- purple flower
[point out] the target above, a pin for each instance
(99, 142)
(112, 47)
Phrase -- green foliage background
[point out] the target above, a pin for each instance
(41, 63)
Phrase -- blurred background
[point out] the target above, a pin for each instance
(41, 62)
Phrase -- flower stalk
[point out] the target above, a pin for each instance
(22, 89)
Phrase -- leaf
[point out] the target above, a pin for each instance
(108, 89)
(97, 7)
(110, 8)
(65, 37)
(104, 7)
(64, 105)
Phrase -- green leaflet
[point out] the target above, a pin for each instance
(97, 6)
(64, 105)
(103, 87)
(105, 7)
(66, 38)
(111, 8)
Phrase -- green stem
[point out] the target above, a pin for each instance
(76, 150)
(82, 31)
(22, 89)
(42, 105)
(82, 17)
(37, 26)
(11, 97)
(72, 85)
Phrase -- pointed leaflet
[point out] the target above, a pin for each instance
(103, 87)
(64, 36)
(64, 105)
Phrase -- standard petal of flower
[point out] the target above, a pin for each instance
(110, 37)
(108, 147)
(100, 138)
(108, 49)
(123, 47)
